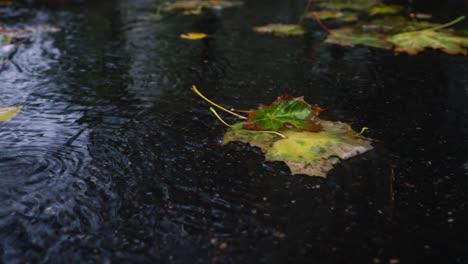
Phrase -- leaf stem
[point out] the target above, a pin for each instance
(240, 111)
(362, 131)
(195, 90)
(219, 117)
(453, 22)
(247, 130)
(320, 23)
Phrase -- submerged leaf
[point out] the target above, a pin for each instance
(193, 36)
(305, 152)
(285, 111)
(281, 30)
(8, 113)
(415, 42)
(349, 37)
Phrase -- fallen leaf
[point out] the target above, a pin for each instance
(434, 38)
(395, 25)
(345, 16)
(349, 37)
(416, 42)
(223, 245)
(288, 130)
(5, 39)
(193, 36)
(186, 5)
(285, 111)
(8, 113)
(281, 30)
(195, 7)
(357, 5)
(309, 153)
(385, 9)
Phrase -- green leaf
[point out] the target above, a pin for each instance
(415, 42)
(349, 37)
(8, 113)
(285, 111)
(5, 39)
(281, 30)
(305, 152)
(385, 9)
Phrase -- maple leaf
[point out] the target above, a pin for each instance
(8, 112)
(288, 130)
(395, 25)
(305, 152)
(349, 37)
(285, 111)
(417, 41)
(281, 30)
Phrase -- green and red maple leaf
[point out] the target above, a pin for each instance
(285, 112)
(289, 131)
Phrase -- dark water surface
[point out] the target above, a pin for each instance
(114, 160)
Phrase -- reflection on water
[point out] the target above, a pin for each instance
(112, 159)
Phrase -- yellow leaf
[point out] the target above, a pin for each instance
(415, 42)
(8, 112)
(193, 36)
(309, 153)
(385, 9)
